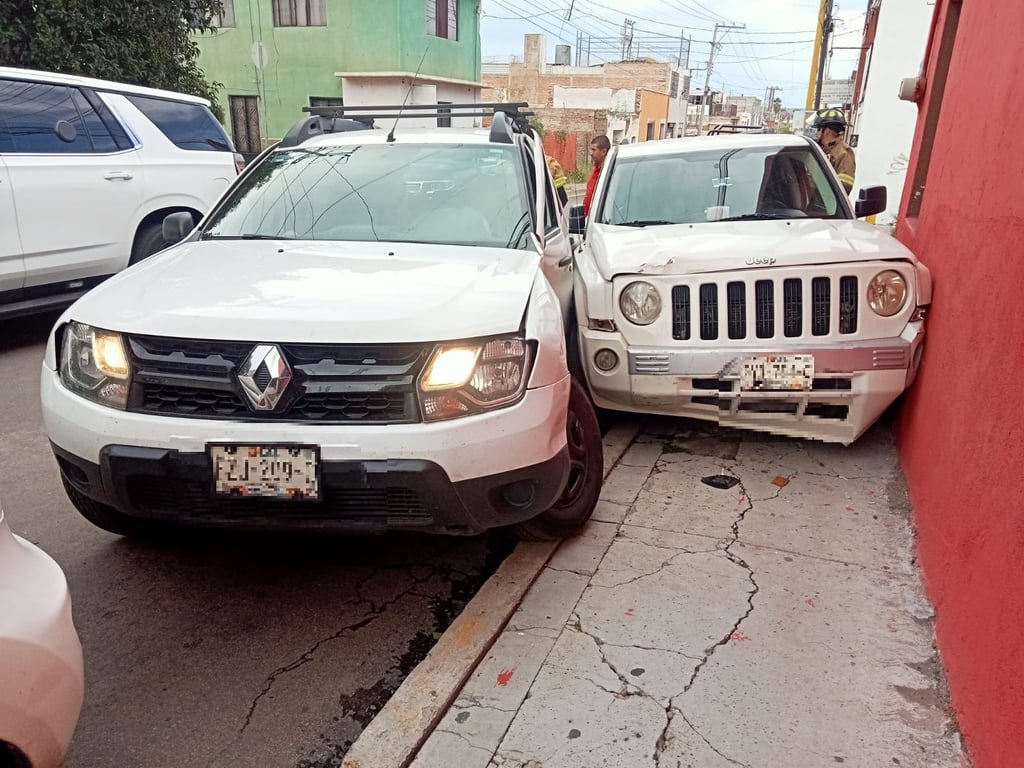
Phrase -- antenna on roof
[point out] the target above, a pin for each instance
(391, 133)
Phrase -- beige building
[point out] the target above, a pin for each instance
(626, 100)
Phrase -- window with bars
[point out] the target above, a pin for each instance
(299, 13)
(245, 123)
(443, 18)
(444, 122)
(226, 18)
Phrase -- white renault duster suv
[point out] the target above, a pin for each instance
(727, 278)
(366, 333)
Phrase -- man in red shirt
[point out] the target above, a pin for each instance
(599, 147)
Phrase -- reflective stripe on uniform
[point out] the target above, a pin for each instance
(846, 178)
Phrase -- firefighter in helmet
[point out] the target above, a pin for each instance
(830, 124)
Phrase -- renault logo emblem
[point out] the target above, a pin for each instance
(265, 376)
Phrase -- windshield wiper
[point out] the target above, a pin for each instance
(644, 223)
(758, 217)
(246, 236)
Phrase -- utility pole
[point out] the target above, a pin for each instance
(824, 33)
(711, 66)
(627, 39)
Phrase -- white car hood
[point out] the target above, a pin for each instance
(316, 292)
(725, 246)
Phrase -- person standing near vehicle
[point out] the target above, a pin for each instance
(831, 125)
(599, 147)
(558, 175)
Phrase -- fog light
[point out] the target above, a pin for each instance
(606, 360)
(520, 495)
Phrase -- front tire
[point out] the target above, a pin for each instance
(150, 240)
(586, 470)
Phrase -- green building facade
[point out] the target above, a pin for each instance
(274, 57)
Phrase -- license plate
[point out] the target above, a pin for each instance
(266, 471)
(777, 372)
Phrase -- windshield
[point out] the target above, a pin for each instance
(694, 187)
(459, 194)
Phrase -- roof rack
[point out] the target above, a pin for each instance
(507, 118)
(729, 128)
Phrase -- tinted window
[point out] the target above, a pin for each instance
(30, 114)
(102, 140)
(189, 126)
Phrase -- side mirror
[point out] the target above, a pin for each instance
(871, 200)
(577, 220)
(177, 226)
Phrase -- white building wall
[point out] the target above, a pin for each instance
(383, 91)
(884, 124)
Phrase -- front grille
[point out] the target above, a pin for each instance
(820, 306)
(764, 302)
(193, 378)
(709, 312)
(170, 496)
(792, 295)
(681, 312)
(355, 407)
(848, 305)
(737, 308)
(179, 401)
(792, 307)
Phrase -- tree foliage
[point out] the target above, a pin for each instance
(143, 42)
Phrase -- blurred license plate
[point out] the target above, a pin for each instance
(266, 471)
(777, 372)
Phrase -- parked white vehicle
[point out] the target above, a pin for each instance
(366, 333)
(726, 278)
(89, 169)
(41, 676)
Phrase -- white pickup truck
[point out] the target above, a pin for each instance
(727, 278)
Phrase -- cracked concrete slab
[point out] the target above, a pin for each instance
(599, 727)
(825, 668)
(584, 551)
(776, 623)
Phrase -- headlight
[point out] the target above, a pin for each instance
(887, 293)
(640, 303)
(94, 365)
(469, 378)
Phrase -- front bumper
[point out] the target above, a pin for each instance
(854, 383)
(455, 476)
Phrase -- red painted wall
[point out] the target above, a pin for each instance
(962, 430)
(562, 148)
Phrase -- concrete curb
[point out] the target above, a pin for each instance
(395, 735)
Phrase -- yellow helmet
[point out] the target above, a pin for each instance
(830, 117)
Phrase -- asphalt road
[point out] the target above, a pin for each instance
(226, 650)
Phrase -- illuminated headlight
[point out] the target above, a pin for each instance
(640, 303)
(887, 293)
(94, 365)
(470, 378)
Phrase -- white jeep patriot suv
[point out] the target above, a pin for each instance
(366, 333)
(727, 278)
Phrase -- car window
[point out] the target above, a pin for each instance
(31, 115)
(707, 186)
(189, 126)
(462, 194)
(99, 133)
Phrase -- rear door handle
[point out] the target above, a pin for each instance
(117, 176)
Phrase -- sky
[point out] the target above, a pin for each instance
(773, 49)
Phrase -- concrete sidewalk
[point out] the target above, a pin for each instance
(778, 623)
